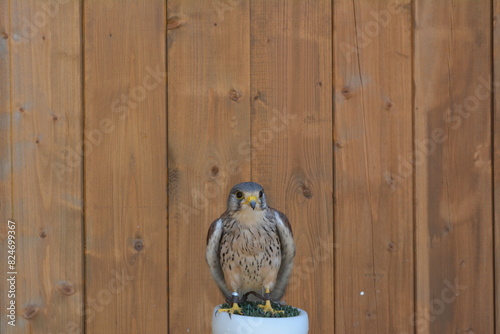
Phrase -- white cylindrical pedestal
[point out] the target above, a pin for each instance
(238, 324)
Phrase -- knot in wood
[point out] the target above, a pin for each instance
(347, 92)
(30, 311)
(306, 192)
(66, 288)
(138, 245)
(214, 170)
(234, 95)
(391, 247)
(173, 23)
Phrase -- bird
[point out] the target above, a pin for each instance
(250, 248)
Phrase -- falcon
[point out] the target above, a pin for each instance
(250, 248)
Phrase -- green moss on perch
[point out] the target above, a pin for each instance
(252, 309)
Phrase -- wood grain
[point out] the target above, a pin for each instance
(5, 151)
(291, 77)
(373, 135)
(125, 167)
(46, 110)
(453, 167)
(388, 183)
(496, 154)
(208, 113)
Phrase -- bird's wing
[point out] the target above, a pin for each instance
(287, 254)
(212, 255)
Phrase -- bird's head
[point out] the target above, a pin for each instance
(247, 195)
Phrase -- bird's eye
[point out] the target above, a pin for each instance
(261, 193)
(239, 195)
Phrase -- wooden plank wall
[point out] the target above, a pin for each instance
(453, 141)
(495, 87)
(45, 109)
(208, 118)
(291, 117)
(125, 166)
(373, 124)
(5, 149)
(373, 130)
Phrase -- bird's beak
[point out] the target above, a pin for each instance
(252, 201)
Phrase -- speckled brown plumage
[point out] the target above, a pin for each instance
(250, 256)
(250, 247)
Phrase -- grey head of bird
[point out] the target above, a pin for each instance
(247, 196)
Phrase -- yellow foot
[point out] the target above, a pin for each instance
(232, 310)
(268, 308)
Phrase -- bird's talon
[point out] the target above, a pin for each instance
(268, 308)
(235, 308)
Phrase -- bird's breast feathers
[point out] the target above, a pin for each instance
(250, 234)
(249, 218)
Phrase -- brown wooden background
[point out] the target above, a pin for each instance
(372, 124)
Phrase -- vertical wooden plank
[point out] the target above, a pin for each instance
(373, 190)
(46, 109)
(208, 127)
(496, 154)
(125, 167)
(453, 167)
(5, 155)
(291, 76)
